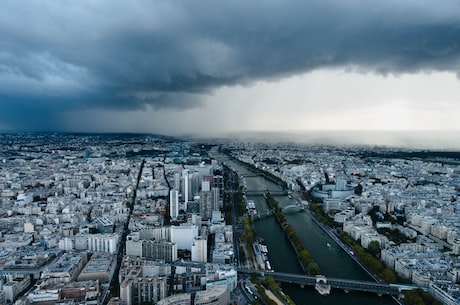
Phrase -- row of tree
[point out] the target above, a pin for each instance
(250, 234)
(370, 258)
(419, 297)
(320, 214)
(305, 258)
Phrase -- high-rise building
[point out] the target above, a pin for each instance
(174, 203)
(206, 204)
(218, 181)
(216, 199)
(177, 181)
(185, 186)
(194, 184)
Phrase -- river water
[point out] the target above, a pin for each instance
(332, 260)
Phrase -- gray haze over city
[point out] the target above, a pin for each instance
(220, 69)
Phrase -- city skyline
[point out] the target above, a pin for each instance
(204, 69)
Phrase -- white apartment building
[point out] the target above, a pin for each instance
(200, 249)
(103, 243)
(184, 235)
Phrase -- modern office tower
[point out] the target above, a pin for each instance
(200, 249)
(185, 186)
(218, 181)
(174, 203)
(206, 204)
(194, 184)
(216, 199)
(177, 181)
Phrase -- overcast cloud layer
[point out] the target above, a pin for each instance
(59, 56)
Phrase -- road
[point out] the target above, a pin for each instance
(122, 243)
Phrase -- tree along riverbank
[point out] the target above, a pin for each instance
(304, 257)
(370, 258)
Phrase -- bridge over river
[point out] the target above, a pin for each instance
(344, 284)
(263, 192)
(293, 208)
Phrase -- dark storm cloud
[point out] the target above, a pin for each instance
(128, 54)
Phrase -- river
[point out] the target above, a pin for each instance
(332, 260)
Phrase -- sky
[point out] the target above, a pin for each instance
(215, 67)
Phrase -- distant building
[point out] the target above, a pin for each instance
(81, 241)
(29, 227)
(100, 267)
(178, 299)
(104, 224)
(206, 204)
(13, 288)
(80, 291)
(138, 289)
(103, 243)
(162, 250)
(215, 295)
(335, 191)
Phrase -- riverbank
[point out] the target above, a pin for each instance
(304, 257)
(345, 247)
(330, 259)
(332, 233)
(251, 167)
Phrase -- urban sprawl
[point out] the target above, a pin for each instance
(142, 219)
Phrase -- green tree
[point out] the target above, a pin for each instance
(419, 297)
(313, 268)
(305, 256)
(389, 276)
(374, 248)
(272, 284)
